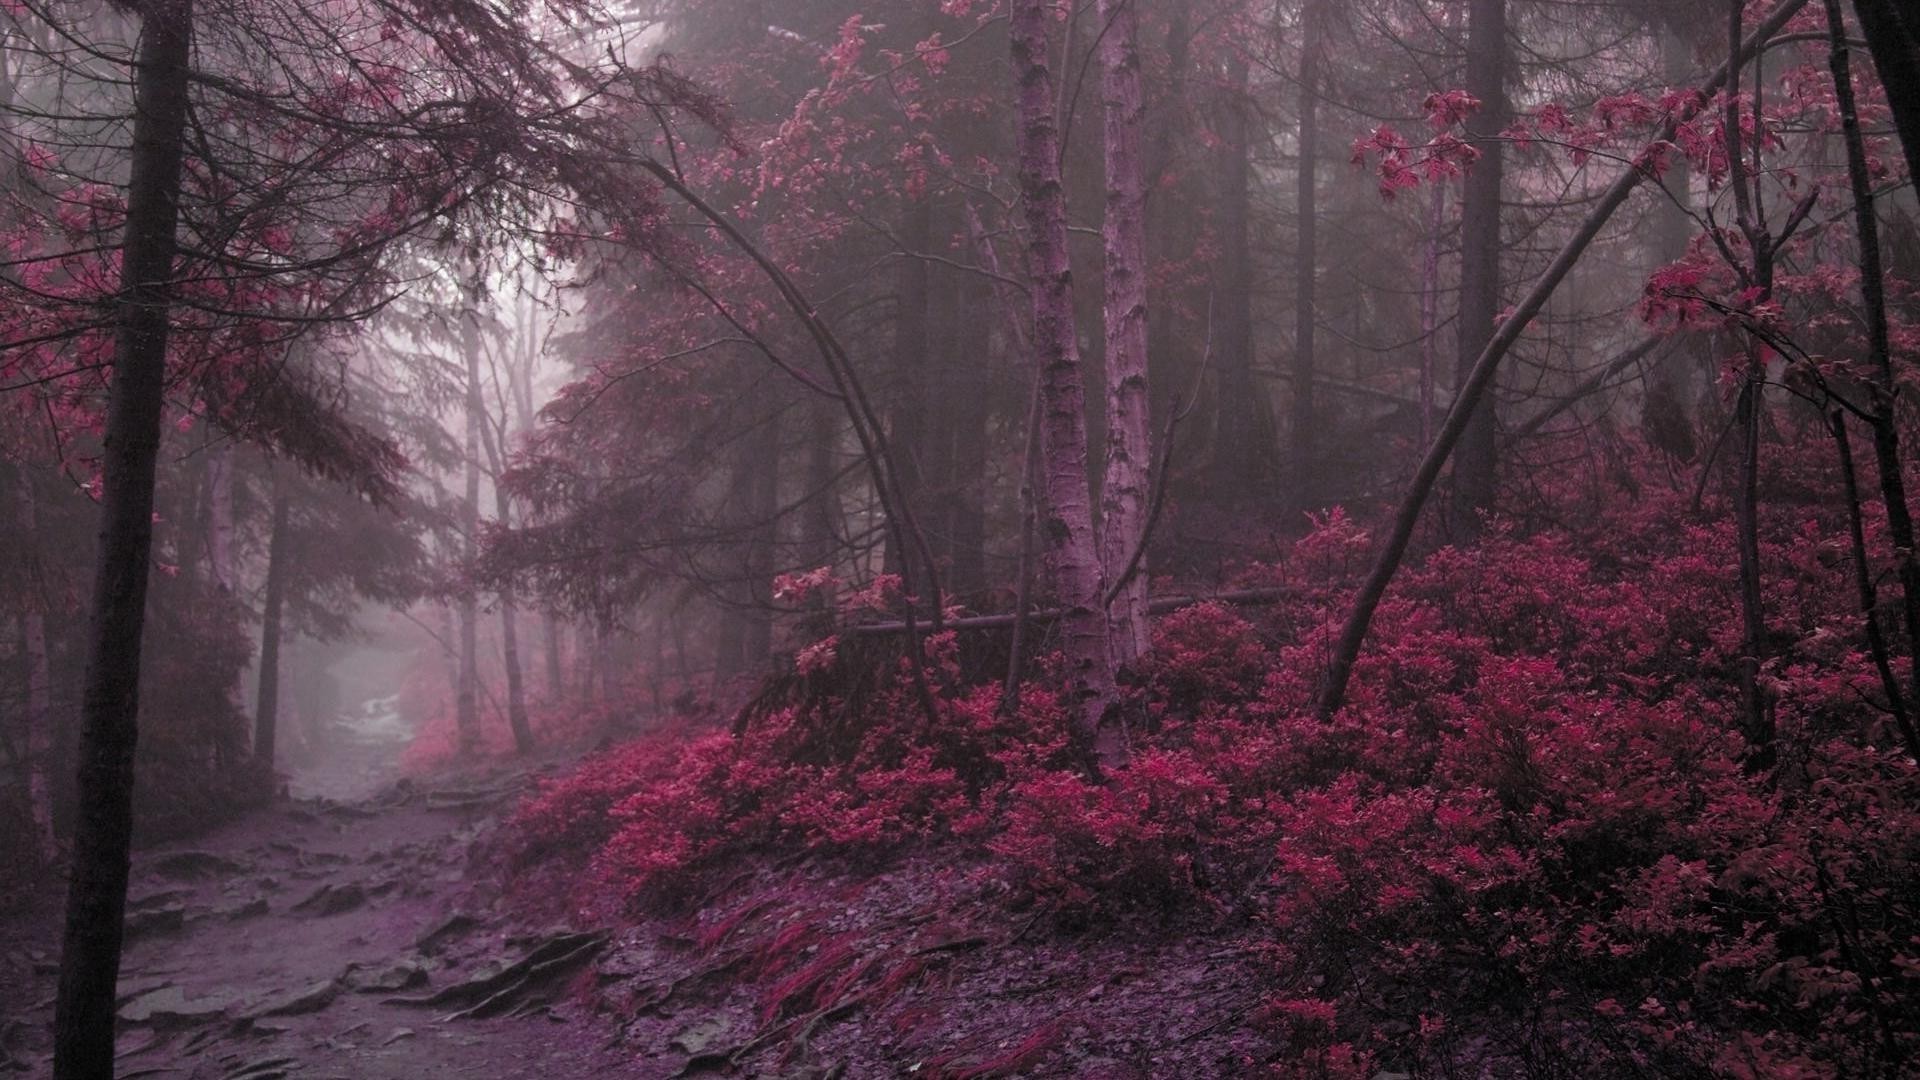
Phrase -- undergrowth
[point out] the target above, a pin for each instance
(1531, 843)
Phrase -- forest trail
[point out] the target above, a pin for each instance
(328, 937)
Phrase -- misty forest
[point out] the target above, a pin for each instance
(963, 539)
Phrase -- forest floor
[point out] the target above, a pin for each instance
(335, 933)
(357, 930)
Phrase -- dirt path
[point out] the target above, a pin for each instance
(323, 938)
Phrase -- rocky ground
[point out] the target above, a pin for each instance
(321, 939)
(352, 930)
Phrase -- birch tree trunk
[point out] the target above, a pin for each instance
(1124, 495)
(110, 700)
(1072, 554)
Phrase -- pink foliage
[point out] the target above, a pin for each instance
(1529, 833)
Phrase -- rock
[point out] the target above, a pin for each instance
(170, 1005)
(154, 922)
(455, 925)
(398, 1034)
(263, 1069)
(162, 899)
(399, 975)
(194, 866)
(137, 987)
(252, 909)
(701, 1036)
(332, 900)
(298, 1001)
(134, 1042)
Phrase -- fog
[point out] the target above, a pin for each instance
(962, 538)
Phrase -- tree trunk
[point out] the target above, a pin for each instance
(516, 685)
(467, 700)
(33, 641)
(39, 688)
(1124, 494)
(1242, 421)
(1667, 416)
(509, 621)
(1893, 36)
(1474, 480)
(908, 423)
(1430, 309)
(267, 708)
(1757, 711)
(970, 378)
(1306, 266)
(1068, 528)
(603, 690)
(1886, 428)
(97, 885)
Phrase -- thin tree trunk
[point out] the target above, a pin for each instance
(1758, 714)
(908, 423)
(603, 659)
(1864, 589)
(1306, 266)
(467, 700)
(1242, 421)
(1474, 470)
(97, 885)
(520, 387)
(33, 639)
(1124, 495)
(1068, 530)
(33, 644)
(1873, 295)
(266, 710)
(1430, 309)
(516, 685)
(1671, 392)
(1406, 518)
(509, 622)
(220, 482)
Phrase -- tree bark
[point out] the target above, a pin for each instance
(509, 618)
(908, 423)
(467, 698)
(1124, 495)
(33, 640)
(1242, 424)
(1306, 266)
(1893, 36)
(39, 688)
(1070, 545)
(266, 711)
(110, 700)
(1757, 711)
(1406, 518)
(1474, 470)
(1886, 429)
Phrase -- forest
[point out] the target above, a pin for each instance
(827, 539)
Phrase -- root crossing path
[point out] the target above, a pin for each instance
(323, 938)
